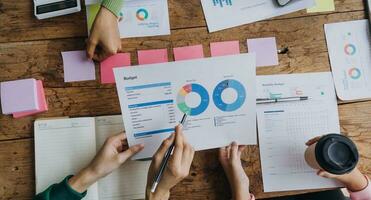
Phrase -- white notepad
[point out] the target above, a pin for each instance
(64, 146)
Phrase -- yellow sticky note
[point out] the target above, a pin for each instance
(92, 13)
(322, 6)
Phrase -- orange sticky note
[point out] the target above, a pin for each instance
(43, 106)
(107, 65)
(152, 56)
(225, 48)
(189, 52)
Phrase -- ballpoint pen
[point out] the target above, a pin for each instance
(165, 160)
(284, 99)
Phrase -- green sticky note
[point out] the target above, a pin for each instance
(322, 6)
(92, 11)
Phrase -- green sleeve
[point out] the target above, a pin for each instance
(113, 5)
(60, 191)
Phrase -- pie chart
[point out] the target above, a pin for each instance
(239, 100)
(198, 90)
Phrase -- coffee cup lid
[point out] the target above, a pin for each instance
(336, 154)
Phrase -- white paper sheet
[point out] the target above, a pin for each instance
(140, 18)
(285, 127)
(152, 97)
(129, 181)
(223, 14)
(63, 147)
(349, 46)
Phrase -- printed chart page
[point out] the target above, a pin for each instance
(223, 14)
(285, 127)
(62, 148)
(217, 94)
(138, 18)
(129, 181)
(349, 46)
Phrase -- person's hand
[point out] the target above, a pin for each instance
(104, 39)
(177, 168)
(110, 157)
(230, 159)
(354, 181)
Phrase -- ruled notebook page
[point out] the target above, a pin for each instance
(127, 182)
(63, 147)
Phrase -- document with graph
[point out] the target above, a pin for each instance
(349, 47)
(217, 94)
(138, 18)
(223, 14)
(285, 127)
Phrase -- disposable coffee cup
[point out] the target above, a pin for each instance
(333, 153)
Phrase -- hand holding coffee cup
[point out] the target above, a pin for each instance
(336, 156)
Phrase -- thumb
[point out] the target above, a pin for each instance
(130, 152)
(90, 49)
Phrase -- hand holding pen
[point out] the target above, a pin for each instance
(176, 169)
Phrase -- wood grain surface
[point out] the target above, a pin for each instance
(31, 48)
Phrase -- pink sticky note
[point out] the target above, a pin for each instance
(106, 66)
(265, 50)
(189, 52)
(77, 67)
(152, 56)
(43, 106)
(225, 48)
(19, 96)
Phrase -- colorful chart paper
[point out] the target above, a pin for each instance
(106, 66)
(77, 67)
(217, 93)
(224, 48)
(19, 96)
(189, 52)
(265, 50)
(43, 106)
(152, 56)
(322, 6)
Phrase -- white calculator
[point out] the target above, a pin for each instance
(51, 8)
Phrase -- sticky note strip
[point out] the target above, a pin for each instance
(189, 52)
(152, 56)
(92, 13)
(224, 48)
(322, 6)
(265, 50)
(19, 96)
(77, 67)
(106, 66)
(43, 106)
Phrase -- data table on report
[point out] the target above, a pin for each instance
(217, 94)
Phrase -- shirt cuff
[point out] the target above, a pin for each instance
(64, 191)
(364, 194)
(114, 6)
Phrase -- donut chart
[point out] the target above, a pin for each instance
(233, 84)
(198, 89)
(354, 73)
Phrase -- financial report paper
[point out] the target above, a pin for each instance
(217, 94)
(285, 127)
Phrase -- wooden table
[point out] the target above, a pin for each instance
(31, 48)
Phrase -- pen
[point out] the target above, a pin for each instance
(284, 99)
(165, 160)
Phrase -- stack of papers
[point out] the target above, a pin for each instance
(138, 18)
(223, 14)
(23, 97)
